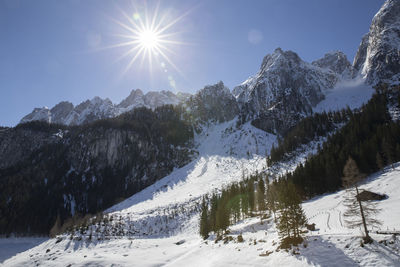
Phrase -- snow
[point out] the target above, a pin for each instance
(104, 108)
(345, 94)
(224, 152)
(10, 247)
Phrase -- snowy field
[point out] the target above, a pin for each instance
(12, 246)
(331, 245)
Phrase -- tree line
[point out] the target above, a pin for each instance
(254, 195)
(307, 130)
(60, 179)
(370, 137)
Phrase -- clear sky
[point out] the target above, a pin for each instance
(52, 51)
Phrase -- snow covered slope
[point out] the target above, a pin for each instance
(175, 241)
(352, 94)
(225, 152)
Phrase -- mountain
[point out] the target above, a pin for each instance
(378, 57)
(337, 62)
(98, 108)
(151, 99)
(286, 88)
(50, 170)
(213, 103)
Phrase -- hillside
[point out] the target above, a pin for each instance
(331, 245)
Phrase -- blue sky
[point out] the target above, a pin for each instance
(52, 51)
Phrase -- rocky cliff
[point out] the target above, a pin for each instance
(378, 57)
(50, 170)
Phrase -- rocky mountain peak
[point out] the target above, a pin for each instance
(38, 114)
(213, 103)
(337, 62)
(98, 108)
(284, 90)
(134, 98)
(280, 59)
(378, 58)
(216, 90)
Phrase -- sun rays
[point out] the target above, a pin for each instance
(149, 38)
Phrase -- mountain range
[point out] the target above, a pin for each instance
(147, 161)
(97, 108)
(284, 90)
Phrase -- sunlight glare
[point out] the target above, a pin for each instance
(149, 39)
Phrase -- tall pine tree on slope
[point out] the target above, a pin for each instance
(291, 217)
(204, 222)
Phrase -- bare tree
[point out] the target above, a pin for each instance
(359, 213)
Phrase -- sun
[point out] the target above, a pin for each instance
(148, 37)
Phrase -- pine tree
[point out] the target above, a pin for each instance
(357, 213)
(222, 215)
(388, 152)
(251, 194)
(244, 200)
(213, 213)
(261, 195)
(204, 220)
(379, 161)
(291, 217)
(271, 198)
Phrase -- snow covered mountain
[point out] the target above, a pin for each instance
(213, 103)
(159, 224)
(337, 62)
(286, 88)
(167, 212)
(98, 108)
(378, 57)
(151, 100)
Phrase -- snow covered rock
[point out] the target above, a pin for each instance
(378, 57)
(337, 62)
(361, 55)
(61, 111)
(284, 90)
(135, 99)
(98, 108)
(213, 103)
(38, 114)
(151, 99)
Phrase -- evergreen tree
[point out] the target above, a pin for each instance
(271, 197)
(222, 215)
(388, 152)
(251, 194)
(213, 212)
(379, 161)
(244, 200)
(261, 195)
(291, 217)
(204, 220)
